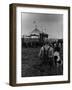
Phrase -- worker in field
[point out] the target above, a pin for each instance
(46, 54)
(57, 49)
(58, 62)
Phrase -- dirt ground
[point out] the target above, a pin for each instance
(31, 64)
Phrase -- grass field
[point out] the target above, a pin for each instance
(31, 64)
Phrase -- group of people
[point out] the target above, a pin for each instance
(51, 54)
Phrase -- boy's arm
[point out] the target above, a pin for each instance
(41, 52)
(52, 52)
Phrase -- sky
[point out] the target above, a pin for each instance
(52, 24)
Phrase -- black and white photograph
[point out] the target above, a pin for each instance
(41, 44)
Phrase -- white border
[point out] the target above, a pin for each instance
(63, 77)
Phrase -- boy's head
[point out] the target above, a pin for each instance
(46, 41)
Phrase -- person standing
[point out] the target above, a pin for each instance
(46, 54)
